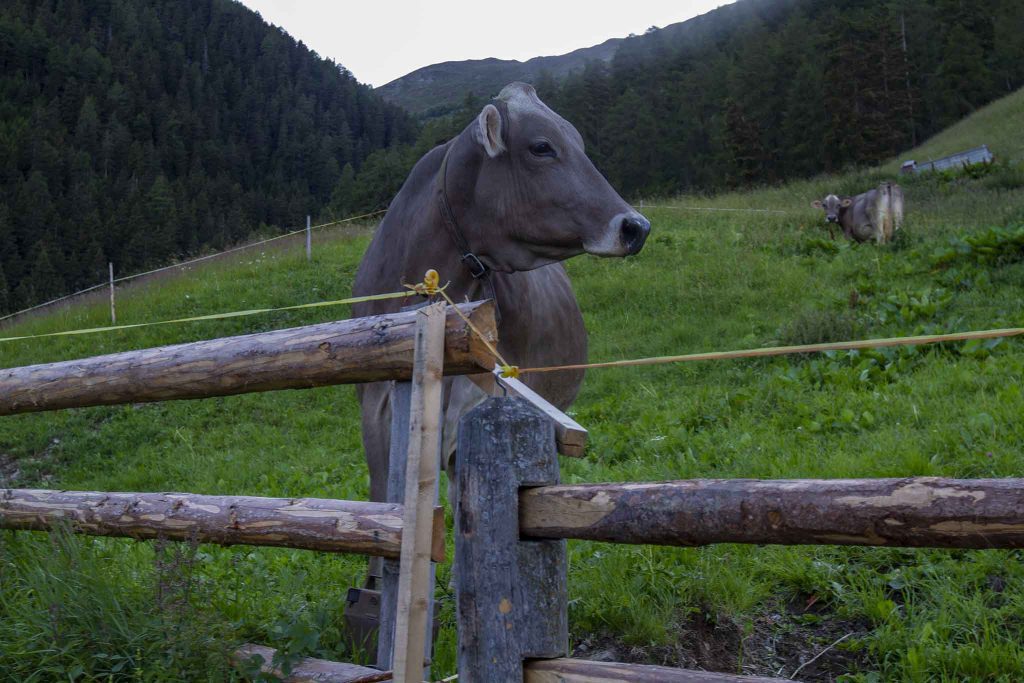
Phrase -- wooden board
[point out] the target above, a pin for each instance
(570, 436)
(371, 349)
(307, 670)
(585, 671)
(913, 512)
(305, 523)
(415, 584)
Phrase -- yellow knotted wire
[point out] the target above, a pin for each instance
(430, 287)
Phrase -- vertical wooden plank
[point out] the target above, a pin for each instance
(511, 594)
(400, 402)
(113, 313)
(421, 490)
(309, 240)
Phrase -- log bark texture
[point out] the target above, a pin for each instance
(511, 599)
(368, 349)
(305, 523)
(584, 671)
(913, 512)
(307, 670)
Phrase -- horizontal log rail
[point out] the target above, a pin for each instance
(585, 671)
(912, 512)
(306, 670)
(369, 349)
(304, 523)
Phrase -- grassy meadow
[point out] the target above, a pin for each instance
(102, 609)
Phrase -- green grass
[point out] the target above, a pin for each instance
(104, 609)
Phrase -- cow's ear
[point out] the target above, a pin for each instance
(846, 201)
(488, 131)
(816, 204)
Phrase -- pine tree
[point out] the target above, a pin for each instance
(963, 78)
(342, 198)
(47, 281)
(5, 298)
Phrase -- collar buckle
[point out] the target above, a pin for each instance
(476, 267)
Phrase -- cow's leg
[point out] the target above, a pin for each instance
(462, 396)
(375, 407)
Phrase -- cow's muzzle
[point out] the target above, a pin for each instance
(832, 219)
(633, 231)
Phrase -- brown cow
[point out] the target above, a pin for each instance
(876, 214)
(495, 210)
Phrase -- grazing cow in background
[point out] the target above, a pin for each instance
(495, 210)
(876, 214)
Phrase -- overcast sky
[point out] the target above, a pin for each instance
(380, 40)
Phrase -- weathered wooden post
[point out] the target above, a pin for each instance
(415, 443)
(511, 593)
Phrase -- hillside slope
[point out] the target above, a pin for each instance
(766, 91)
(706, 280)
(997, 125)
(134, 132)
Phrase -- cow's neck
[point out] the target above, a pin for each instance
(428, 238)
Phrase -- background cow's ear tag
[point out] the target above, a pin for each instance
(489, 130)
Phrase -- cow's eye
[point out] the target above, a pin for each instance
(542, 149)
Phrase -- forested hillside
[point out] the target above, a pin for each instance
(136, 132)
(139, 130)
(764, 90)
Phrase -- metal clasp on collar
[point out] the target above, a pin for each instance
(476, 267)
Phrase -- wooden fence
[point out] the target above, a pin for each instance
(511, 579)
(512, 517)
(413, 349)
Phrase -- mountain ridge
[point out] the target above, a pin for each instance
(415, 91)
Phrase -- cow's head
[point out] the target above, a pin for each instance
(832, 206)
(536, 197)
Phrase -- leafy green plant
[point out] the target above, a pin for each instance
(994, 246)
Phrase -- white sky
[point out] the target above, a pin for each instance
(380, 40)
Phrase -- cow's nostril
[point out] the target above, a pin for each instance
(634, 231)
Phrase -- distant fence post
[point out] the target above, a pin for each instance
(113, 313)
(309, 240)
(511, 593)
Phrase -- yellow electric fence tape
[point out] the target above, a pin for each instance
(213, 316)
(786, 350)
(429, 286)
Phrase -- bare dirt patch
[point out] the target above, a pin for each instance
(799, 637)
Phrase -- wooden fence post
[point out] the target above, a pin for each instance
(423, 465)
(402, 404)
(113, 314)
(511, 593)
(309, 240)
